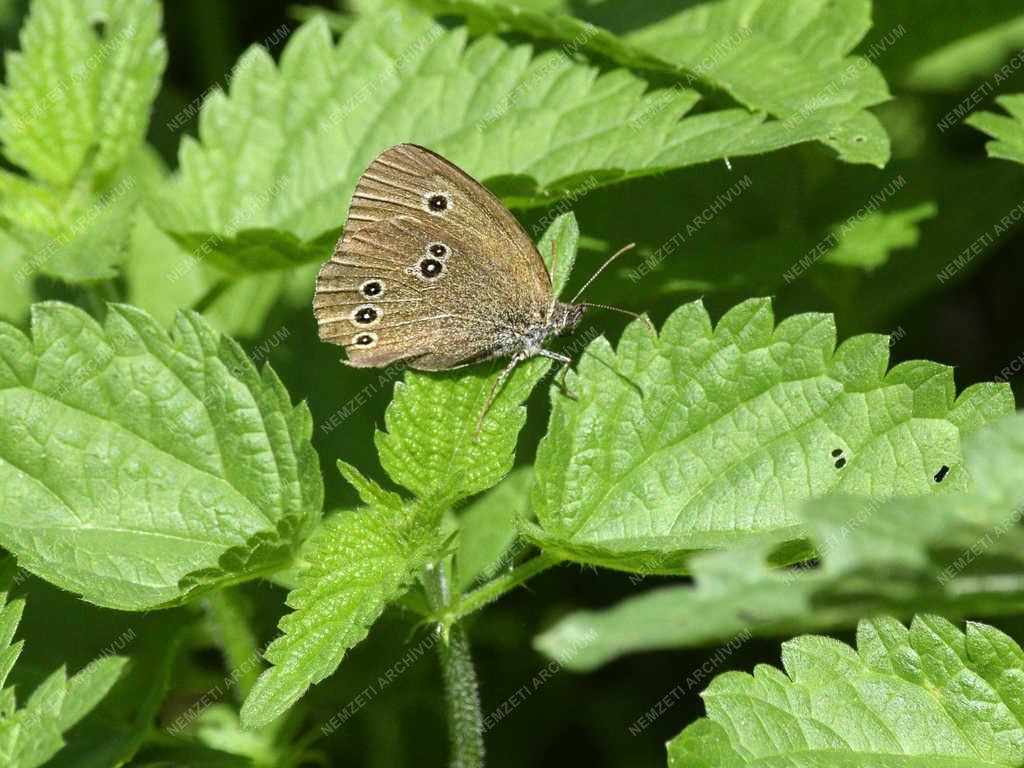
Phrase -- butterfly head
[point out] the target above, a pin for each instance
(565, 317)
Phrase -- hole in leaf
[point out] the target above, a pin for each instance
(840, 463)
(837, 451)
(941, 474)
(805, 565)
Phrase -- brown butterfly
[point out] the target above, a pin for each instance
(432, 270)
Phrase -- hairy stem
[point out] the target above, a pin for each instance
(492, 590)
(465, 720)
(462, 695)
(236, 638)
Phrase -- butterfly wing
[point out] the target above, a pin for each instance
(489, 278)
(405, 289)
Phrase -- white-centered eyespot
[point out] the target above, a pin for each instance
(365, 340)
(437, 203)
(428, 269)
(438, 250)
(366, 315)
(371, 288)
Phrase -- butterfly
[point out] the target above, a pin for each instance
(434, 272)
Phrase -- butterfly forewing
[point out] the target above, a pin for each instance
(431, 268)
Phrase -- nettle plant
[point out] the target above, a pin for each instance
(792, 483)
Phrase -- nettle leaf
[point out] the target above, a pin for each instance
(358, 562)
(32, 734)
(1008, 131)
(705, 437)
(74, 109)
(138, 466)
(930, 695)
(428, 444)
(792, 63)
(162, 277)
(284, 150)
(948, 552)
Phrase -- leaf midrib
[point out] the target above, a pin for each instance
(184, 462)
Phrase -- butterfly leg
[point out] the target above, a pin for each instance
(516, 360)
(566, 362)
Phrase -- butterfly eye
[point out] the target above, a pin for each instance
(438, 250)
(431, 268)
(366, 315)
(437, 203)
(372, 288)
(365, 340)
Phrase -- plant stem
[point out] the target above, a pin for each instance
(236, 639)
(214, 292)
(495, 588)
(465, 720)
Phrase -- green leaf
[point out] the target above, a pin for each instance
(75, 98)
(563, 236)
(139, 466)
(284, 150)
(162, 277)
(220, 728)
(76, 238)
(487, 527)
(114, 731)
(791, 63)
(867, 242)
(16, 292)
(75, 107)
(960, 554)
(359, 562)
(1008, 132)
(428, 444)
(705, 437)
(31, 735)
(931, 695)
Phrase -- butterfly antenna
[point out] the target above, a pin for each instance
(621, 311)
(601, 269)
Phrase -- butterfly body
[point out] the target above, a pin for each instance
(529, 340)
(433, 271)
